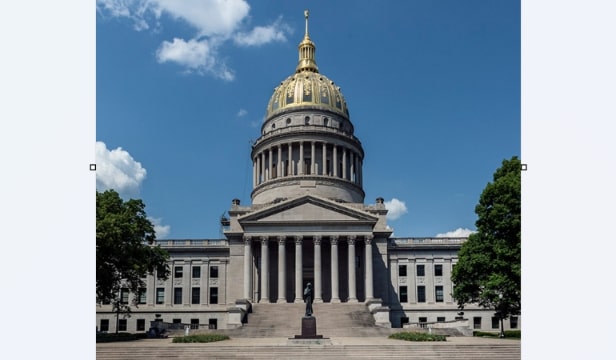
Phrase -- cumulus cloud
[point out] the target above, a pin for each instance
(162, 231)
(396, 209)
(116, 169)
(214, 23)
(459, 232)
(195, 55)
(263, 34)
(242, 113)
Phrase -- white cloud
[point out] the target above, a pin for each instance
(214, 22)
(241, 113)
(263, 34)
(162, 231)
(116, 169)
(196, 55)
(459, 232)
(396, 209)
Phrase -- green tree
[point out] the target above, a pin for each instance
(488, 272)
(125, 250)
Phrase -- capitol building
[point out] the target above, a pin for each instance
(308, 222)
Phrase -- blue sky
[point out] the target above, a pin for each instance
(433, 89)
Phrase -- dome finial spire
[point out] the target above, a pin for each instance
(306, 15)
(306, 52)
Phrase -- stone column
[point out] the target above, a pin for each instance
(352, 164)
(334, 262)
(352, 276)
(313, 162)
(324, 172)
(317, 270)
(254, 172)
(247, 266)
(299, 295)
(290, 171)
(344, 168)
(300, 161)
(259, 167)
(369, 277)
(282, 275)
(270, 163)
(279, 167)
(335, 161)
(264, 271)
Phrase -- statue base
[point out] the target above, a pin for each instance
(309, 328)
(309, 334)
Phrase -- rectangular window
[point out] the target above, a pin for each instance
(122, 325)
(421, 293)
(495, 322)
(178, 272)
(124, 296)
(104, 325)
(423, 320)
(438, 291)
(160, 295)
(421, 271)
(196, 296)
(513, 322)
(196, 272)
(401, 270)
(440, 319)
(140, 324)
(438, 270)
(213, 272)
(142, 296)
(477, 322)
(214, 295)
(404, 297)
(194, 323)
(177, 296)
(213, 323)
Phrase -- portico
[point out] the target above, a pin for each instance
(339, 267)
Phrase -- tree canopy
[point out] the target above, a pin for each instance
(488, 272)
(125, 253)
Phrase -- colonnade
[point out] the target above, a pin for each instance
(318, 268)
(313, 158)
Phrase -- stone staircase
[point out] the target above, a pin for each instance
(152, 349)
(333, 320)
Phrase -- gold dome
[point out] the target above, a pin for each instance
(307, 87)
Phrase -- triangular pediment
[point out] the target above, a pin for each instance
(308, 209)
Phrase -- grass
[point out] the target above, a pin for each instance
(509, 334)
(200, 338)
(415, 336)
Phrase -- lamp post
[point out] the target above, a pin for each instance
(500, 314)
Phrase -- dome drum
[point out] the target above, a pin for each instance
(311, 116)
(333, 188)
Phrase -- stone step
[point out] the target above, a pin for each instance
(403, 351)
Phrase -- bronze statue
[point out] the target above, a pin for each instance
(308, 299)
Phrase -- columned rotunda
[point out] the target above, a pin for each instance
(307, 222)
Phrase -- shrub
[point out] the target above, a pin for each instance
(415, 336)
(200, 338)
(511, 334)
(103, 337)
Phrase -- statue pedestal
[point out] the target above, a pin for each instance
(309, 328)
(309, 334)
